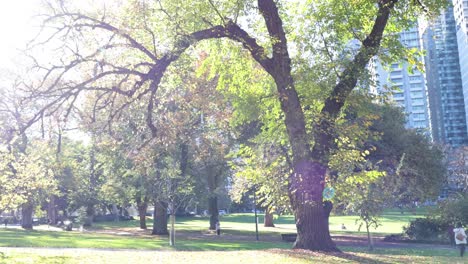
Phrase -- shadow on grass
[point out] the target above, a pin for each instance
(415, 252)
(359, 259)
(214, 245)
(316, 257)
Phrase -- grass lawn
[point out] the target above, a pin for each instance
(53, 239)
(194, 245)
(392, 222)
(270, 256)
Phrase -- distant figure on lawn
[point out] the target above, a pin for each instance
(218, 228)
(343, 227)
(5, 222)
(460, 238)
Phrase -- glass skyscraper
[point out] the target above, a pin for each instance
(444, 81)
(435, 100)
(408, 87)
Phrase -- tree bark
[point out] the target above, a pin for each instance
(213, 211)
(89, 215)
(142, 207)
(306, 187)
(27, 215)
(369, 239)
(115, 212)
(160, 219)
(52, 211)
(327, 206)
(268, 219)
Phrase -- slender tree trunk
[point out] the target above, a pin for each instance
(27, 215)
(369, 239)
(89, 215)
(172, 235)
(115, 212)
(268, 219)
(172, 222)
(160, 219)
(213, 210)
(52, 211)
(142, 207)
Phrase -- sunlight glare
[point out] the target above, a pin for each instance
(16, 28)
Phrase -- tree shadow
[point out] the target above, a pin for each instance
(359, 259)
(315, 256)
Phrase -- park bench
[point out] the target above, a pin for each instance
(289, 237)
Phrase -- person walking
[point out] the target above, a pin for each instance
(218, 228)
(460, 238)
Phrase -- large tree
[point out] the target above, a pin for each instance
(126, 53)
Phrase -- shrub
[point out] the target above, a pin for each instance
(428, 229)
(453, 210)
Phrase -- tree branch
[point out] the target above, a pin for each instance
(323, 132)
(274, 24)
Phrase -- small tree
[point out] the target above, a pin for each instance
(369, 211)
(361, 195)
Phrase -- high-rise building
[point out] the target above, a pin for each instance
(444, 80)
(436, 99)
(460, 11)
(407, 85)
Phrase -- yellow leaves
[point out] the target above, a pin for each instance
(365, 153)
(364, 178)
(24, 176)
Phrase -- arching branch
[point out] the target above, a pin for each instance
(145, 76)
(334, 103)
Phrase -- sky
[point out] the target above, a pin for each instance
(16, 27)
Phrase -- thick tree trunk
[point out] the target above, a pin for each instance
(27, 216)
(307, 181)
(327, 206)
(268, 219)
(213, 211)
(160, 219)
(52, 211)
(142, 207)
(306, 187)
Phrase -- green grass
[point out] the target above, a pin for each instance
(52, 239)
(151, 257)
(25, 238)
(194, 245)
(271, 256)
(232, 225)
(392, 222)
